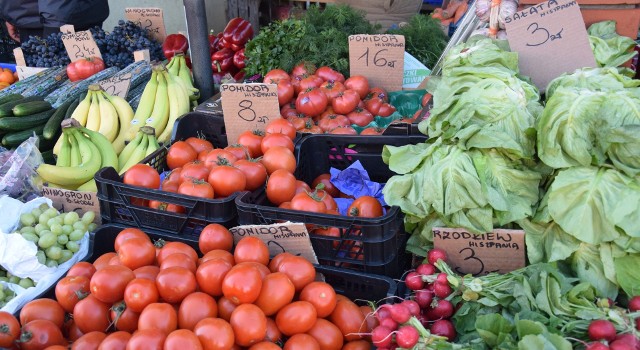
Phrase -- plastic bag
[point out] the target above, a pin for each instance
(18, 176)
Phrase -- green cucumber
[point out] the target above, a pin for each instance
(10, 97)
(52, 126)
(6, 109)
(14, 139)
(26, 122)
(33, 107)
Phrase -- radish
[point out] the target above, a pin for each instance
(381, 337)
(400, 313)
(442, 278)
(414, 281)
(601, 330)
(634, 303)
(426, 269)
(389, 323)
(596, 346)
(628, 339)
(383, 312)
(407, 337)
(424, 298)
(621, 345)
(413, 307)
(423, 320)
(436, 254)
(441, 290)
(444, 328)
(441, 309)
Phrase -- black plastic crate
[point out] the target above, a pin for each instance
(211, 127)
(371, 245)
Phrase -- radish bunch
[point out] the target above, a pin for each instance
(605, 331)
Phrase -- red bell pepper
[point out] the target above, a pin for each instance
(239, 59)
(173, 44)
(237, 33)
(222, 61)
(213, 41)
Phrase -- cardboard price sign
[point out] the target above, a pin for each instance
(248, 107)
(149, 18)
(499, 251)
(80, 202)
(141, 55)
(550, 39)
(80, 45)
(19, 56)
(378, 57)
(117, 85)
(286, 237)
(25, 72)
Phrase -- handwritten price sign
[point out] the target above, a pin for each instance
(380, 58)
(117, 85)
(550, 39)
(248, 107)
(80, 45)
(149, 18)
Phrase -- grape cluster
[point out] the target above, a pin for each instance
(47, 52)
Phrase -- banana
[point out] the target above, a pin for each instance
(137, 155)
(75, 158)
(81, 113)
(193, 93)
(178, 105)
(108, 154)
(89, 186)
(93, 120)
(153, 145)
(125, 116)
(145, 106)
(124, 156)
(174, 66)
(184, 73)
(160, 115)
(171, 63)
(108, 117)
(64, 156)
(74, 176)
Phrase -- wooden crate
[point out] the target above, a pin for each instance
(247, 9)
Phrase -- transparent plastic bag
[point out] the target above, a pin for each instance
(18, 176)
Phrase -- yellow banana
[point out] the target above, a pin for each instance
(145, 107)
(81, 113)
(108, 117)
(93, 120)
(125, 116)
(108, 154)
(124, 156)
(89, 186)
(184, 73)
(137, 155)
(76, 157)
(64, 157)
(174, 66)
(178, 105)
(160, 115)
(153, 145)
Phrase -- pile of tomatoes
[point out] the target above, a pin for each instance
(146, 296)
(322, 101)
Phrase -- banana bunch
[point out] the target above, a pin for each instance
(103, 113)
(82, 153)
(165, 98)
(139, 148)
(178, 68)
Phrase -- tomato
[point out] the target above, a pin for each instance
(71, 330)
(196, 188)
(303, 68)
(194, 170)
(365, 207)
(275, 76)
(176, 247)
(39, 334)
(225, 308)
(273, 333)
(238, 150)
(373, 104)
(333, 121)
(299, 121)
(328, 201)
(325, 179)
(300, 271)
(346, 102)
(265, 345)
(263, 269)
(332, 89)
(115, 261)
(379, 93)
(301, 342)
(310, 128)
(115, 341)
(182, 339)
(328, 74)
(281, 186)
(370, 318)
(327, 335)
(345, 130)
(137, 252)
(254, 172)
(42, 309)
(9, 329)
(142, 175)
(349, 319)
(126, 234)
(82, 268)
(108, 284)
(160, 316)
(297, 317)
(279, 157)
(251, 140)
(70, 289)
(89, 341)
(52, 347)
(174, 175)
(175, 283)
(277, 260)
(215, 236)
(219, 157)
(386, 110)
(218, 254)
(276, 139)
(310, 202)
(251, 249)
(360, 117)
(148, 339)
(357, 345)
(168, 206)
(227, 180)
(210, 275)
(199, 144)
(359, 84)
(302, 187)
(123, 318)
(249, 324)
(285, 92)
(147, 272)
(139, 293)
(426, 98)
(372, 131)
(242, 284)
(322, 296)
(290, 114)
(214, 334)
(281, 126)
(309, 82)
(180, 153)
(311, 102)
(277, 291)
(90, 314)
(179, 259)
(194, 308)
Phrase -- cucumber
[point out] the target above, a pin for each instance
(14, 139)
(52, 126)
(10, 97)
(33, 107)
(26, 122)
(74, 105)
(6, 109)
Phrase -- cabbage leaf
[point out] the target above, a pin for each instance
(609, 48)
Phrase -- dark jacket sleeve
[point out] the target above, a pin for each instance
(80, 13)
(21, 13)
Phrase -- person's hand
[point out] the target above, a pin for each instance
(13, 32)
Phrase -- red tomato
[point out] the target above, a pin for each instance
(273, 333)
(328, 201)
(147, 272)
(182, 339)
(277, 260)
(278, 157)
(84, 68)
(176, 247)
(218, 254)
(295, 318)
(349, 319)
(167, 206)
(386, 110)
(303, 68)
(357, 345)
(227, 180)
(332, 89)
(327, 335)
(103, 260)
(301, 342)
(365, 207)
(82, 268)
(251, 249)
(277, 139)
(328, 74)
(9, 329)
(39, 334)
(333, 121)
(281, 126)
(358, 83)
(109, 283)
(169, 186)
(290, 113)
(42, 309)
(277, 291)
(251, 140)
(210, 275)
(379, 93)
(194, 308)
(285, 92)
(309, 82)
(142, 175)
(275, 76)
(346, 102)
(214, 334)
(115, 341)
(194, 170)
(426, 98)
(372, 131)
(300, 271)
(89, 341)
(300, 121)
(302, 187)
(281, 186)
(360, 117)
(179, 259)
(249, 324)
(225, 308)
(71, 331)
(139, 293)
(373, 104)
(175, 283)
(174, 175)
(148, 339)
(242, 284)
(345, 130)
(254, 172)
(238, 150)
(199, 144)
(322, 296)
(311, 102)
(310, 202)
(219, 157)
(265, 345)
(310, 128)
(137, 252)
(70, 289)
(215, 236)
(180, 153)
(161, 316)
(123, 318)
(90, 314)
(196, 188)
(329, 187)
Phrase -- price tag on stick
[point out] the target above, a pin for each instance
(550, 39)
(248, 107)
(19, 56)
(149, 18)
(117, 85)
(379, 57)
(499, 251)
(80, 45)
